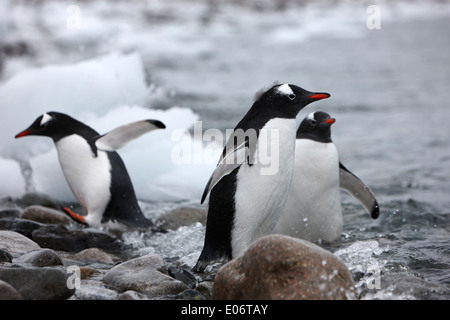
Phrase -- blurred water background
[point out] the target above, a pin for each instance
(109, 62)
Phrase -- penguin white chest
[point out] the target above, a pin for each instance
(313, 209)
(88, 176)
(262, 188)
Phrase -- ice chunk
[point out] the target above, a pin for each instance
(92, 86)
(103, 93)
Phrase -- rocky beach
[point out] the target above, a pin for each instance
(44, 255)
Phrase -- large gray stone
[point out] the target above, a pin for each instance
(45, 215)
(22, 226)
(284, 268)
(58, 237)
(38, 283)
(16, 243)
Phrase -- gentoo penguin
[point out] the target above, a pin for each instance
(313, 210)
(250, 184)
(94, 171)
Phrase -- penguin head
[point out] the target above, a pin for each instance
(316, 126)
(288, 99)
(50, 124)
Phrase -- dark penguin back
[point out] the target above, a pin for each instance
(220, 222)
(123, 205)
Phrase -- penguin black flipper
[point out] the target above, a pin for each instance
(229, 161)
(120, 136)
(358, 189)
(123, 206)
(240, 148)
(217, 247)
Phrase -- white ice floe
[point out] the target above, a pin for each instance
(104, 93)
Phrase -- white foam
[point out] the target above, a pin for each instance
(185, 244)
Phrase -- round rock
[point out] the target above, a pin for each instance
(38, 283)
(179, 217)
(146, 274)
(279, 267)
(45, 215)
(16, 243)
(8, 209)
(94, 255)
(41, 258)
(7, 292)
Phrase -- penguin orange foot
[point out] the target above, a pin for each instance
(75, 216)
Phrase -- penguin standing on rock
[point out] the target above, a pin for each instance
(313, 210)
(249, 187)
(93, 170)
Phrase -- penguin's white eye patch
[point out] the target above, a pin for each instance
(285, 89)
(45, 119)
(311, 118)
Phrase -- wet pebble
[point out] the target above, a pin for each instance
(182, 275)
(92, 255)
(5, 256)
(45, 215)
(40, 258)
(132, 295)
(146, 274)
(95, 292)
(37, 283)
(8, 209)
(179, 217)
(60, 238)
(9, 213)
(32, 198)
(22, 226)
(7, 292)
(89, 272)
(17, 243)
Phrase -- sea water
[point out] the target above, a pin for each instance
(184, 62)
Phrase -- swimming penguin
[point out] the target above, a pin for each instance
(93, 170)
(313, 210)
(250, 184)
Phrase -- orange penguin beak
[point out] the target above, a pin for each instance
(319, 96)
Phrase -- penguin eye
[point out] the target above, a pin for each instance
(291, 96)
(313, 121)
